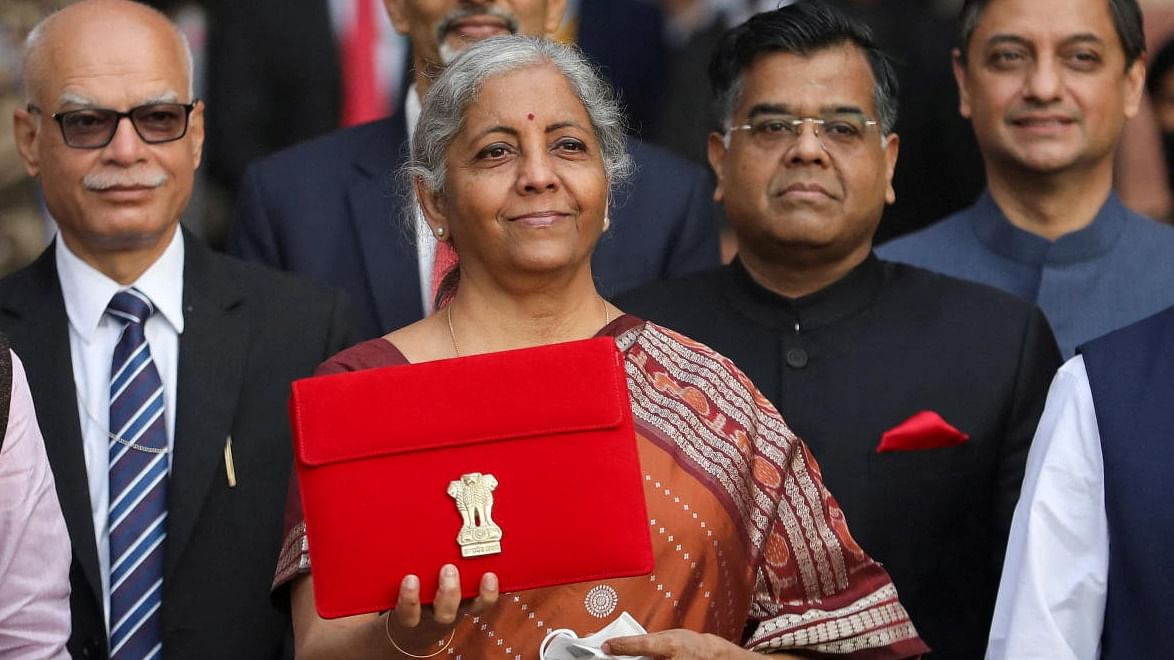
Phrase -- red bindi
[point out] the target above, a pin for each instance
(530, 116)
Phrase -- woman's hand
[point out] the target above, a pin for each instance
(678, 645)
(418, 629)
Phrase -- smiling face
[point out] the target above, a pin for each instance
(1046, 86)
(796, 198)
(128, 195)
(440, 29)
(525, 190)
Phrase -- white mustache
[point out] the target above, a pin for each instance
(99, 181)
(461, 13)
(448, 53)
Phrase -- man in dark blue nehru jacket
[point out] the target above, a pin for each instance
(1049, 85)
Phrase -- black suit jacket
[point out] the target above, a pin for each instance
(856, 359)
(625, 39)
(248, 332)
(331, 209)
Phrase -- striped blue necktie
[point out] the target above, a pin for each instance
(138, 486)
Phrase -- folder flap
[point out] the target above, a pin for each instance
(557, 388)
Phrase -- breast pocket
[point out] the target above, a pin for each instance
(926, 464)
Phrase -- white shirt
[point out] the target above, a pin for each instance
(1051, 603)
(425, 241)
(92, 336)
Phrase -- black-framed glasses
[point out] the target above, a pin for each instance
(94, 128)
(840, 132)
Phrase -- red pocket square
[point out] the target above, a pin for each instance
(925, 430)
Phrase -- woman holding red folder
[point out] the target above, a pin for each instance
(518, 147)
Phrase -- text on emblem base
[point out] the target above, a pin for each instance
(473, 494)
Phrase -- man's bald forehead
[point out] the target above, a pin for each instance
(65, 23)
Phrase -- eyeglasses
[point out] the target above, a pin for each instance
(94, 128)
(840, 132)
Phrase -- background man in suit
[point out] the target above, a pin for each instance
(277, 76)
(277, 73)
(917, 393)
(330, 209)
(161, 370)
(1048, 86)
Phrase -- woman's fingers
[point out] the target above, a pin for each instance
(486, 596)
(448, 596)
(407, 606)
(446, 606)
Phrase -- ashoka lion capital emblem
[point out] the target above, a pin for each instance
(473, 493)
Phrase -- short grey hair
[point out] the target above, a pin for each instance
(443, 112)
(36, 37)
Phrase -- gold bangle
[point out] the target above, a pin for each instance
(387, 629)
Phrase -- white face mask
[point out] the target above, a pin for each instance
(564, 644)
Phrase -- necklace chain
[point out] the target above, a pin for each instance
(113, 436)
(453, 335)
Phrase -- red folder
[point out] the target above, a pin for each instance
(549, 429)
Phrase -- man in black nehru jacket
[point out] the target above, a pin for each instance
(918, 393)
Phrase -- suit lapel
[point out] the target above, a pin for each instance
(385, 239)
(39, 330)
(212, 353)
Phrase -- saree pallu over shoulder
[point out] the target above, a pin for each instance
(814, 587)
(746, 538)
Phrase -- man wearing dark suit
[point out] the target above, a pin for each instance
(917, 393)
(626, 39)
(275, 76)
(161, 370)
(331, 209)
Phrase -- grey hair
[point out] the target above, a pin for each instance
(443, 112)
(36, 36)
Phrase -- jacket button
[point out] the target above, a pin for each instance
(796, 358)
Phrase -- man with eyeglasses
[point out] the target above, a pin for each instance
(160, 370)
(917, 393)
(1048, 86)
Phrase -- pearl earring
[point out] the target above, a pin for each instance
(439, 233)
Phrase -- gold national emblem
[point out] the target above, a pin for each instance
(473, 493)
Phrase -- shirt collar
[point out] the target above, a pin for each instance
(995, 231)
(835, 302)
(87, 291)
(412, 108)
